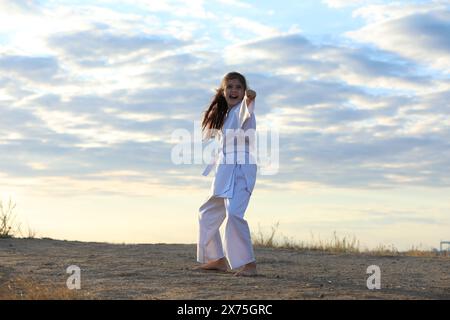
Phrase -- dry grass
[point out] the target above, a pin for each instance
(335, 245)
(8, 226)
(348, 245)
(22, 288)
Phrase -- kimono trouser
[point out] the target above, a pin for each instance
(237, 244)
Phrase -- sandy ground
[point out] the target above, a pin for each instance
(164, 271)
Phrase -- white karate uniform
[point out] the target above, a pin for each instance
(235, 177)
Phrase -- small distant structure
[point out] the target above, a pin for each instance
(441, 247)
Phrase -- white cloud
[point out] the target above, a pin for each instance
(295, 56)
(418, 32)
(236, 3)
(39, 69)
(179, 8)
(20, 6)
(343, 3)
(235, 27)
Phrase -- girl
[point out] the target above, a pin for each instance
(229, 116)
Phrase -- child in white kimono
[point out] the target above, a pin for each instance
(231, 116)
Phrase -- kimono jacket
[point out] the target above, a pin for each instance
(236, 140)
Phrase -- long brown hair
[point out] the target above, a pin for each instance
(214, 116)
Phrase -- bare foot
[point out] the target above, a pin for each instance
(249, 270)
(216, 265)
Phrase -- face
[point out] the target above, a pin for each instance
(233, 92)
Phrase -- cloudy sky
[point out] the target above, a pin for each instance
(90, 92)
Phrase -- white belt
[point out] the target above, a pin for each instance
(214, 161)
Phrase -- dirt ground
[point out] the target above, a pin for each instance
(164, 271)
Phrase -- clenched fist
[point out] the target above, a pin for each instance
(251, 95)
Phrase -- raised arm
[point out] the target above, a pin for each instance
(247, 106)
(250, 96)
